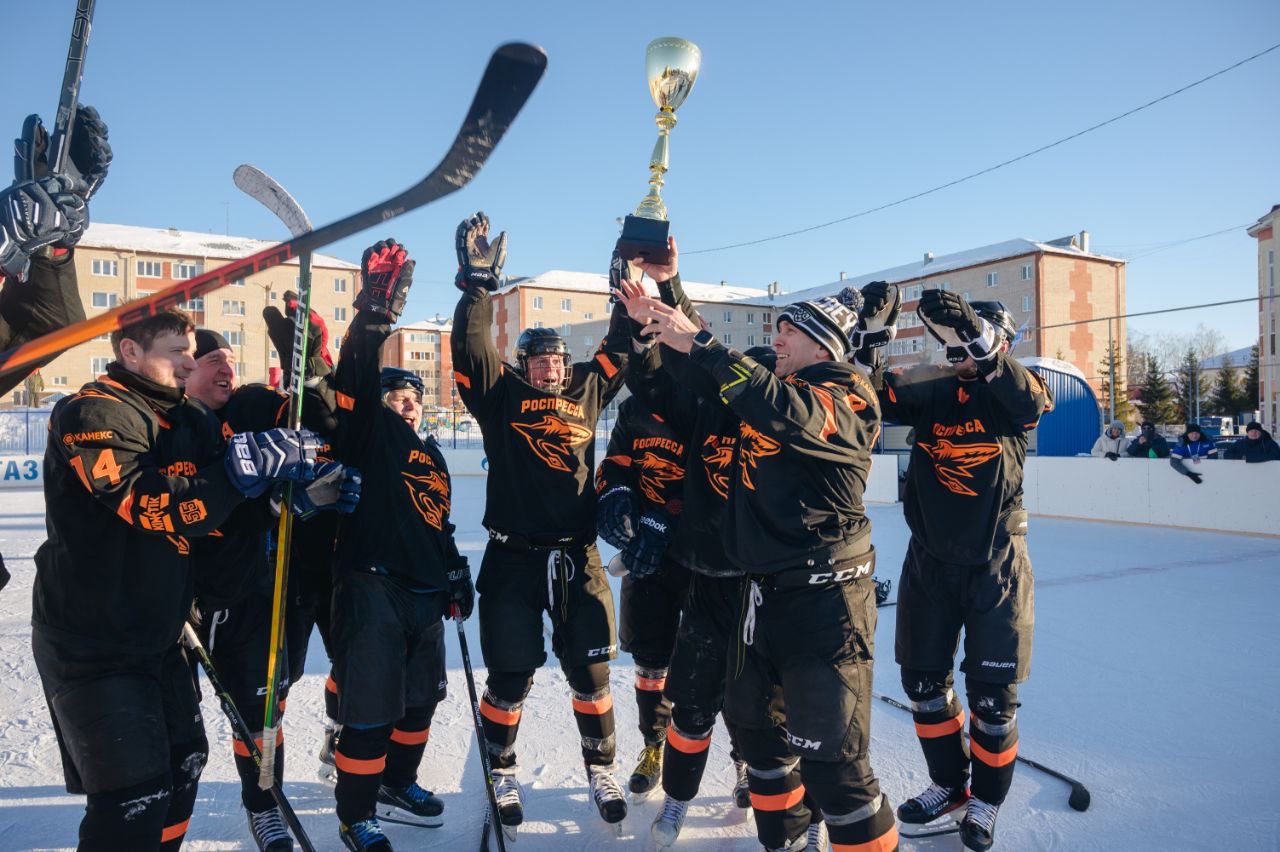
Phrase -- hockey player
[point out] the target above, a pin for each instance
(966, 563)
(133, 474)
(794, 524)
(234, 573)
(538, 418)
(399, 572)
(42, 217)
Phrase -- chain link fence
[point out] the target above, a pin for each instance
(24, 431)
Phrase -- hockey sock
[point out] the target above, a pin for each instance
(939, 722)
(593, 710)
(993, 738)
(331, 699)
(846, 796)
(361, 757)
(408, 742)
(253, 798)
(500, 710)
(186, 762)
(131, 818)
(777, 796)
(655, 710)
(684, 758)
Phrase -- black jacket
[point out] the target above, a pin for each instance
(1155, 448)
(48, 300)
(540, 446)
(132, 474)
(965, 476)
(1262, 450)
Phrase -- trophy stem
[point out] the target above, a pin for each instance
(652, 206)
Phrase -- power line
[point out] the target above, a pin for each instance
(1152, 313)
(1176, 243)
(989, 169)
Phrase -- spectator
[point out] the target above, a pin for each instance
(1148, 444)
(1112, 443)
(1256, 446)
(1194, 447)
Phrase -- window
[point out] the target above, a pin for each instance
(766, 340)
(589, 342)
(909, 319)
(538, 324)
(913, 292)
(1026, 302)
(339, 285)
(59, 381)
(105, 300)
(274, 295)
(751, 319)
(235, 338)
(767, 317)
(185, 271)
(195, 305)
(945, 285)
(993, 278)
(566, 304)
(108, 268)
(564, 330)
(232, 307)
(340, 314)
(728, 339)
(1026, 272)
(965, 295)
(728, 316)
(239, 282)
(98, 366)
(608, 307)
(150, 269)
(537, 302)
(588, 315)
(422, 355)
(751, 340)
(275, 356)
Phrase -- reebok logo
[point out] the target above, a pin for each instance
(861, 570)
(654, 524)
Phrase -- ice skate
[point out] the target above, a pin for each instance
(978, 829)
(667, 824)
(328, 771)
(411, 805)
(741, 790)
(510, 798)
(648, 771)
(269, 832)
(816, 837)
(607, 795)
(932, 812)
(364, 836)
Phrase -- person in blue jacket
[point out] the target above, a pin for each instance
(1193, 449)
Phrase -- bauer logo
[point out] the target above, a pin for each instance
(1001, 665)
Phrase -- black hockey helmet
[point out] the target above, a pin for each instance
(998, 315)
(398, 378)
(542, 341)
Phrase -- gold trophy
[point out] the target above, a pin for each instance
(671, 65)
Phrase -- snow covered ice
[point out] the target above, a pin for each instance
(1153, 683)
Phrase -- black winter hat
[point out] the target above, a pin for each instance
(208, 341)
(827, 320)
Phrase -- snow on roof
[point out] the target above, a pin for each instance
(1053, 364)
(188, 244)
(591, 282)
(1236, 358)
(427, 325)
(951, 262)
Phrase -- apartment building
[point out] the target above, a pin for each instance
(1052, 288)
(424, 348)
(118, 263)
(1264, 231)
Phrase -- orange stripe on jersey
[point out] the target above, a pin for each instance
(125, 508)
(893, 397)
(598, 707)
(777, 801)
(623, 461)
(940, 729)
(331, 685)
(346, 402)
(173, 832)
(886, 842)
(1003, 758)
(680, 742)
(410, 737)
(462, 380)
(359, 767)
(650, 684)
(607, 365)
(829, 405)
(497, 715)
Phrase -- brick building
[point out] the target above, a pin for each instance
(424, 348)
(1264, 231)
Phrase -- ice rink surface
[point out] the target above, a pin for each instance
(1154, 682)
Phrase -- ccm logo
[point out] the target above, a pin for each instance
(801, 742)
(601, 652)
(843, 574)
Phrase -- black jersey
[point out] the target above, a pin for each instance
(132, 473)
(401, 526)
(540, 445)
(46, 301)
(965, 475)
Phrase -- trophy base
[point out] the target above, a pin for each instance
(644, 239)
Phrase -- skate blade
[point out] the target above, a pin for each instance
(948, 823)
(328, 774)
(511, 833)
(399, 816)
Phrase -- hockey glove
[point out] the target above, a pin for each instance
(883, 587)
(388, 274)
(280, 329)
(878, 305)
(643, 556)
(480, 262)
(255, 460)
(953, 322)
(335, 488)
(1113, 456)
(36, 214)
(89, 154)
(614, 512)
(462, 594)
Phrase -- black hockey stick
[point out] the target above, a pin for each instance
(241, 727)
(513, 72)
(491, 819)
(1078, 800)
(69, 97)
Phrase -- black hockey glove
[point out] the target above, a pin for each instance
(953, 322)
(388, 274)
(462, 594)
(1113, 456)
(643, 556)
(256, 460)
(336, 487)
(614, 513)
(480, 262)
(280, 329)
(4, 575)
(879, 304)
(36, 214)
(89, 154)
(883, 587)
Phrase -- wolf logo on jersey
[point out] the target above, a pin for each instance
(717, 452)
(655, 473)
(954, 462)
(552, 439)
(755, 446)
(430, 496)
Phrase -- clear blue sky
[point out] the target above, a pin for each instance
(803, 113)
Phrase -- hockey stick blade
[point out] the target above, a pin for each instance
(510, 78)
(268, 192)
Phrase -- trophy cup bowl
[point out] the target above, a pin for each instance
(671, 66)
